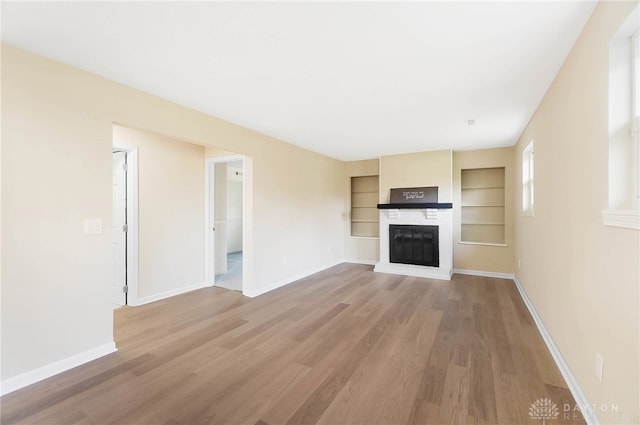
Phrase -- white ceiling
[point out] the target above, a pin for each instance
(349, 80)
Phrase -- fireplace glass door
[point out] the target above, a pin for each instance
(416, 245)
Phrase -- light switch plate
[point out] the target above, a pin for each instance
(92, 226)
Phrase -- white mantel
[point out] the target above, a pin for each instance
(418, 217)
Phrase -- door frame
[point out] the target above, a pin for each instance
(209, 199)
(132, 222)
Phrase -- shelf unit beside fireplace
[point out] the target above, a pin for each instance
(364, 216)
(483, 206)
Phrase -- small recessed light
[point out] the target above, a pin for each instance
(471, 122)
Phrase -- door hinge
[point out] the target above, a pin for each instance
(125, 228)
(125, 289)
(125, 167)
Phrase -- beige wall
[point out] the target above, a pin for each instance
(171, 211)
(55, 280)
(417, 170)
(583, 277)
(359, 248)
(484, 257)
(300, 203)
(213, 152)
(56, 164)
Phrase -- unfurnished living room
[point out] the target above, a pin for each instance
(320, 212)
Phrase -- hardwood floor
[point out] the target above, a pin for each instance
(345, 346)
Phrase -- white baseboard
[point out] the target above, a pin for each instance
(171, 293)
(579, 395)
(496, 275)
(12, 384)
(357, 261)
(291, 279)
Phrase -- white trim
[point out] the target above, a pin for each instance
(412, 270)
(483, 243)
(208, 251)
(291, 279)
(17, 382)
(579, 395)
(496, 275)
(622, 218)
(358, 261)
(132, 222)
(171, 293)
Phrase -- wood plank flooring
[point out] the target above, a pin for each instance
(344, 346)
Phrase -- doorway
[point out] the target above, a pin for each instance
(124, 226)
(225, 194)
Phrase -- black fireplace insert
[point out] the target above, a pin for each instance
(410, 244)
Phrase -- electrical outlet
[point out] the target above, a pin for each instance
(329, 248)
(285, 260)
(599, 366)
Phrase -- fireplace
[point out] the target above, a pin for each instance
(418, 245)
(416, 234)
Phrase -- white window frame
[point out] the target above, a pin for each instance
(624, 205)
(635, 119)
(528, 186)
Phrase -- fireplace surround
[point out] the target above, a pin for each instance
(430, 215)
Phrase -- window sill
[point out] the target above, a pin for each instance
(621, 218)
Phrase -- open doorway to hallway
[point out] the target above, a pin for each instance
(225, 199)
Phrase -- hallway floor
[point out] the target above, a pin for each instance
(233, 278)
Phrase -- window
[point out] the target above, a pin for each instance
(624, 122)
(527, 180)
(364, 206)
(635, 121)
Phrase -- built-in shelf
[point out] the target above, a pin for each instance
(364, 215)
(483, 200)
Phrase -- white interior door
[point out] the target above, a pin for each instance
(220, 217)
(210, 231)
(118, 228)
